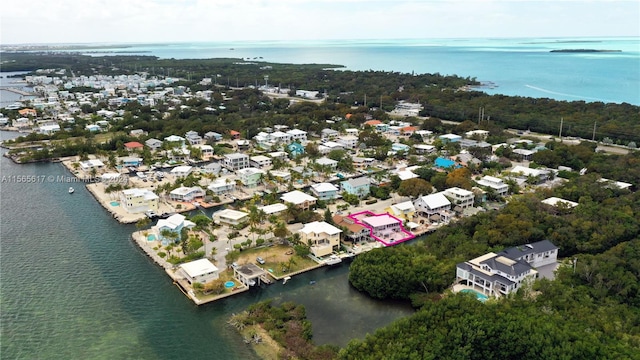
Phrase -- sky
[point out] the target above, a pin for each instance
(155, 21)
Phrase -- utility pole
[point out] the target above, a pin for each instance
(560, 134)
(365, 100)
(593, 138)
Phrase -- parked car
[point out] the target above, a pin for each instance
(260, 260)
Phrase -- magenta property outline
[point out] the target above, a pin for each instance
(369, 213)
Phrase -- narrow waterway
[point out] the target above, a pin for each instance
(75, 286)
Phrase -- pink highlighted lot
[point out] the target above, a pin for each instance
(384, 228)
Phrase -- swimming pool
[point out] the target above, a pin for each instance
(151, 237)
(115, 203)
(479, 296)
(229, 284)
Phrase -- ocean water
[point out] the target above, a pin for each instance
(516, 66)
(73, 285)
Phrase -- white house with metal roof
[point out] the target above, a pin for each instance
(201, 271)
(325, 191)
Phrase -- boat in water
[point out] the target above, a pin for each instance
(71, 190)
(333, 260)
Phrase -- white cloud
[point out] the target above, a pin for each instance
(73, 21)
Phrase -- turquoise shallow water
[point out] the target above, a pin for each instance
(74, 286)
(519, 67)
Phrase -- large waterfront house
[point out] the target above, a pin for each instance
(91, 164)
(222, 186)
(186, 194)
(507, 271)
(434, 206)
(358, 186)
(139, 200)
(384, 228)
(355, 232)
(174, 224)
(323, 238)
(153, 144)
(199, 271)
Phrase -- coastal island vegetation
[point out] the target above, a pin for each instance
(239, 104)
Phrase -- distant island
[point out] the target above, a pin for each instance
(583, 51)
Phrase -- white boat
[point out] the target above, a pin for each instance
(333, 260)
(71, 190)
(287, 278)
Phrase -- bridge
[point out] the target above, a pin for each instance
(17, 91)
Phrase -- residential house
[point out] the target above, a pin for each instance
(325, 191)
(476, 134)
(450, 138)
(295, 149)
(507, 271)
(281, 155)
(186, 194)
(234, 134)
(398, 147)
(236, 161)
(91, 164)
(299, 199)
(495, 184)
(328, 134)
(540, 175)
(92, 127)
(460, 197)
(559, 203)
(260, 161)
(327, 163)
(273, 209)
(49, 129)
(139, 200)
(179, 141)
(329, 146)
(362, 162)
(181, 171)
(133, 146)
(323, 237)
(212, 168)
(358, 186)
(355, 232)
(250, 177)
(212, 136)
(298, 135)
(243, 145)
(153, 144)
(434, 206)
(174, 223)
(348, 141)
(131, 161)
(199, 271)
(524, 153)
(404, 210)
(222, 186)
(230, 217)
(137, 133)
(193, 138)
(206, 151)
(424, 149)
